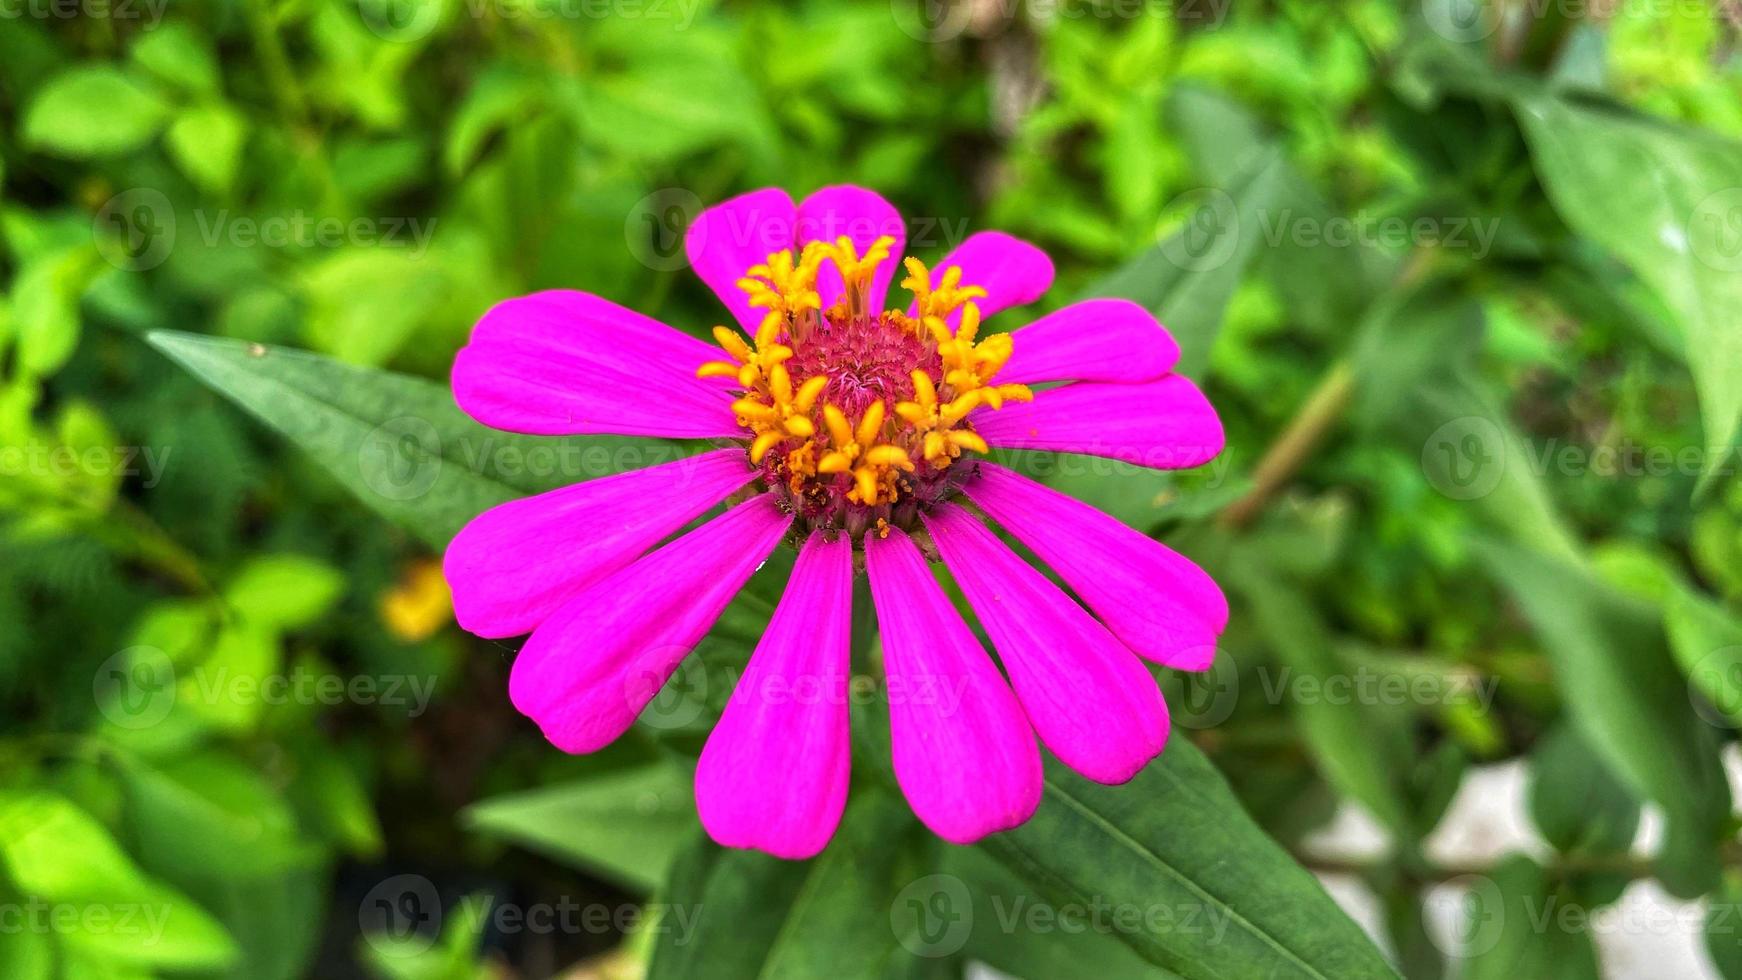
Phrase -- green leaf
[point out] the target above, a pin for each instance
(742, 914)
(1627, 699)
(1666, 200)
(283, 591)
(1175, 845)
(627, 826)
(1707, 642)
(1186, 280)
(93, 111)
(226, 689)
(178, 54)
(1723, 928)
(1017, 931)
(207, 143)
(58, 853)
(1575, 802)
(1507, 937)
(1357, 749)
(397, 442)
(205, 804)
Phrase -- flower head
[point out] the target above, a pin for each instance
(856, 433)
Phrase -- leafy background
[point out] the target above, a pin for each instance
(1463, 279)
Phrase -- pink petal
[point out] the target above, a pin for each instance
(1089, 698)
(861, 215)
(773, 775)
(589, 669)
(727, 239)
(963, 751)
(1095, 340)
(1155, 600)
(516, 563)
(569, 363)
(1166, 424)
(1010, 270)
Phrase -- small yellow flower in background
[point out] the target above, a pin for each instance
(419, 604)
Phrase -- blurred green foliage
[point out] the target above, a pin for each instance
(1465, 288)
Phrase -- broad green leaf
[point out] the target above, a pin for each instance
(58, 853)
(1668, 202)
(1627, 699)
(1011, 928)
(227, 688)
(1707, 642)
(275, 919)
(1357, 748)
(454, 957)
(177, 53)
(185, 811)
(93, 111)
(742, 914)
(627, 826)
(1186, 280)
(397, 442)
(1506, 936)
(1723, 928)
(1581, 809)
(1470, 451)
(207, 142)
(1174, 844)
(1575, 803)
(283, 591)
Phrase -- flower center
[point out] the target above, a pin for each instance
(858, 417)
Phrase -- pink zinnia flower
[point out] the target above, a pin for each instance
(853, 432)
